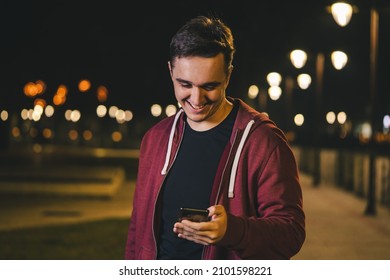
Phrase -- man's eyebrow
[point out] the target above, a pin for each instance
(182, 81)
(215, 83)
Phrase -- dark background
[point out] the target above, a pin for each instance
(124, 46)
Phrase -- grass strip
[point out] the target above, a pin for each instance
(97, 240)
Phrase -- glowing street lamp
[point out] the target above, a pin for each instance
(274, 79)
(342, 13)
(298, 58)
(343, 20)
(253, 91)
(274, 92)
(339, 59)
(304, 81)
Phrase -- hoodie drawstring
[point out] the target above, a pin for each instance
(170, 142)
(237, 157)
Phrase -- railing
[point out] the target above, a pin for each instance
(345, 168)
(348, 169)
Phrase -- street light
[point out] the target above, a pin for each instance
(374, 24)
(304, 80)
(274, 91)
(298, 59)
(342, 13)
(274, 79)
(339, 59)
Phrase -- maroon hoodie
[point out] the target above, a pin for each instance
(257, 182)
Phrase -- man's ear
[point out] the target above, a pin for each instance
(229, 74)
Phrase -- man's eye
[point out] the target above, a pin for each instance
(186, 85)
(209, 88)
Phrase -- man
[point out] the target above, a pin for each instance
(217, 153)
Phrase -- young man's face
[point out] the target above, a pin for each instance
(200, 84)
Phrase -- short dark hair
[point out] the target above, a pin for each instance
(203, 36)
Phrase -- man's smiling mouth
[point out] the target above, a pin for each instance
(196, 107)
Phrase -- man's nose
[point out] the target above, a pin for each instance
(197, 95)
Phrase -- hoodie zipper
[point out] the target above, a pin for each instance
(224, 169)
(220, 183)
(159, 191)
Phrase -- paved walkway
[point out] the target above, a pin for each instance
(337, 228)
(336, 225)
(26, 211)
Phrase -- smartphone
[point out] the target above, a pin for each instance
(194, 214)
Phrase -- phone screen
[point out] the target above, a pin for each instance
(194, 214)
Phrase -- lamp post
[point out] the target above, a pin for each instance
(374, 22)
(320, 61)
(373, 58)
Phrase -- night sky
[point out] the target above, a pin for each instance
(124, 46)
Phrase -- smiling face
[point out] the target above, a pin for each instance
(200, 88)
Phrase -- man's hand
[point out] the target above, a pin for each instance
(205, 233)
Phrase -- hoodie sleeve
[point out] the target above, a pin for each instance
(130, 243)
(277, 231)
